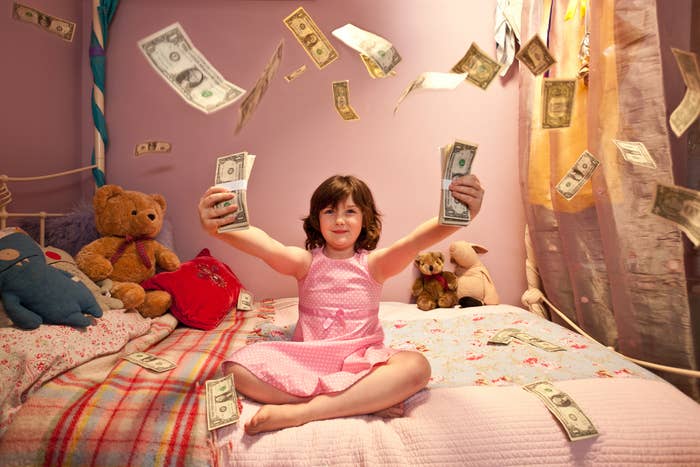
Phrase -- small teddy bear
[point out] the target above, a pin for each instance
(435, 288)
(127, 253)
(474, 284)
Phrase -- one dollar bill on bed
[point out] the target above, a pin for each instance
(456, 161)
(232, 172)
(150, 361)
(576, 424)
(222, 402)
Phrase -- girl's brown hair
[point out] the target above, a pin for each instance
(334, 190)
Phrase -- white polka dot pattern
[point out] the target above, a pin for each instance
(338, 337)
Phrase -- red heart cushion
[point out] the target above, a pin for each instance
(204, 290)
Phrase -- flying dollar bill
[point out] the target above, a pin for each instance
(457, 160)
(689, 109)
(232, 172)
(341, 100)
(295, 74)
(49, 23)
(576, 424)
(480, 68)
(171, 54)
(152, 147)
(221, 401)
(150, 361)
(577, 175)
(373, 48)
(535, 56)
(635, 153)
(373, 69)
(557, 102)
(251, 101)
(680, 206)
(311, 38)
(432, 80)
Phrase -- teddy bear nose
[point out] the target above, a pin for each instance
(152, 216)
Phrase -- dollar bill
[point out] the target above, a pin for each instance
(576, 424)
(535, 56)
(577, 175)
(432, 80)
(537, 342)
(172, 55)
(295, 74)
(457, 160)
(373, 69)
(480, 68)
(245, 301)
(151, 147)
(232, 172)
(681, 206)
(503, 337)
(311, 38)
(557, 102)
(635, 153)
(373, 48)
(341, 100)
(53, 24)
(251, 101)
(689, 109)
(150, 361)
(221, 402)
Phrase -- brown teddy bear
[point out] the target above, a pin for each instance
(474, 284)
(435, 287)
(127, 252)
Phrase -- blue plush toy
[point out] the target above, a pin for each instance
(34, 292)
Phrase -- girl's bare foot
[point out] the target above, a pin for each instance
(275, 417)
(394, 411)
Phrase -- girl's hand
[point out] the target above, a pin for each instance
(212, 217)
(468, 190)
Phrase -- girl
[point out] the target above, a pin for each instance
(336, 365)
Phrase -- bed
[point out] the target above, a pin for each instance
(68, 396)
(99, 409)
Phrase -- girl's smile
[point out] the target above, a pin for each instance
(341, 226)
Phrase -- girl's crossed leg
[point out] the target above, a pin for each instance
(381, 391)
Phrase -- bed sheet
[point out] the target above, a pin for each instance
(474, 411)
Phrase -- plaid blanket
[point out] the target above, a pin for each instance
(132, 416)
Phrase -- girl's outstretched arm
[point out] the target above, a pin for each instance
(388, 262)
(289, 260)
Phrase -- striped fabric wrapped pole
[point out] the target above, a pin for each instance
(102, 14)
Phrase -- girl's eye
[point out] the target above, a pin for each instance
(328, 211)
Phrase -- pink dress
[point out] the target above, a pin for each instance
(338, 337)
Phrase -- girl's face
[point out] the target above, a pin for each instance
(341, 225)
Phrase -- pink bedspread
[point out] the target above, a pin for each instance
(640, 422)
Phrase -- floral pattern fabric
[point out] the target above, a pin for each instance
(455, 341)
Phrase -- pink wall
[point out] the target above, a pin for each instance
(297, 135)
(299, 139)
(41, 112)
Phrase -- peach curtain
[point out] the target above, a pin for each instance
(613, 267)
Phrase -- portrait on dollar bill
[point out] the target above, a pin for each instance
(190, 77)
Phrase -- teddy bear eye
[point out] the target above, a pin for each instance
(133, 213)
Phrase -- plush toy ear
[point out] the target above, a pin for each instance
(479, 249)
(417, 260)
(103, 194)
(440, 256)
(160, 200)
